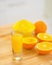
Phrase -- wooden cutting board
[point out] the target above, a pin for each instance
(30, 57)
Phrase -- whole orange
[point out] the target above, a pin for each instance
(41, 27)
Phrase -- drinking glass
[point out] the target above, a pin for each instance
(17, 42)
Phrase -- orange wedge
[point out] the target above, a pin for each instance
(44, 37)
(43, 47)
(29, 42)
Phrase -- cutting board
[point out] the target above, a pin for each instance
(30, 57)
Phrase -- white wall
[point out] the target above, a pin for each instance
(48, 14)
(48, 9)
(13, 10)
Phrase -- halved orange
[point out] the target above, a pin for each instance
(43, 47)
(29, 42)
(44, 37)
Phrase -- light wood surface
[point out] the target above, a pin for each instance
(30, 57)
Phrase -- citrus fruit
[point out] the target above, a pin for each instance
(43, 47)
(44, 37)
(40, 27)
(24, 26)
(29, 42)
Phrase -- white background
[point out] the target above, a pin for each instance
(14, 10)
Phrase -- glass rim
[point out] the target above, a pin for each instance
(16, 33)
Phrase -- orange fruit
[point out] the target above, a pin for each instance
(44, 37)
(43, 47)
(41, 27)
(29, 42)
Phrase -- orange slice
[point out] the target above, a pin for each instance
(44, 37)
(29, 42)
(44, 47)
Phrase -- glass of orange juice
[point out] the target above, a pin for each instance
(17, 41)
(24, 27)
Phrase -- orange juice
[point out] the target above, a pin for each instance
(25, 27)
(17, 40)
